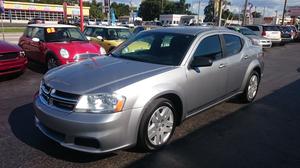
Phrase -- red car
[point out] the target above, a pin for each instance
(12, 59)
(54, 45)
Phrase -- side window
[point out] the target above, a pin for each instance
(28, 32)
(88, 31)
(38, 32)
(209, 47)
(233, 44)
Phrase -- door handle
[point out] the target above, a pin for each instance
(222, 66)
(246, 57)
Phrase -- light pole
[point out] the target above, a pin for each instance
(245, 10)
(220, 13)
(283, 13)
(81, 15)
(199, 6)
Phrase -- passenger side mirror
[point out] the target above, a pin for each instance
(100, 38)
(35, 39)
(201, 62)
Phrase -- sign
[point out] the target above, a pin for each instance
(106, 6)
(293, 10)
(2, 6)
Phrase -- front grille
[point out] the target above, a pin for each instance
(59, 99)
(8, 56)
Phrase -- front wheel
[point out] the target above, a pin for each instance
(157, 125)
(251, 88)
(52, 62)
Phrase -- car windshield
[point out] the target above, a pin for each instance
(108, 34)
(156, 47)
(64, 34)
(271, 28)
(246, 31)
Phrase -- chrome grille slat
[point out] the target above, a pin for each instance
(8, 56)
(50, 98)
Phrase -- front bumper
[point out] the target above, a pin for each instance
(92, 133)
(13, 66)
(265, 44)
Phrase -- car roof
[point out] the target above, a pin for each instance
(108, 27)
(52, 25)
(189, 30)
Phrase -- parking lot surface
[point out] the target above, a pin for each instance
(262, 134)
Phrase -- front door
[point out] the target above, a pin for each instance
(207, 84)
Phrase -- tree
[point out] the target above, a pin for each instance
(256, 14)
(121, 9)
(150, 10)
(210, 13)
(96, 10)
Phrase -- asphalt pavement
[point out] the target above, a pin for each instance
(262, 134)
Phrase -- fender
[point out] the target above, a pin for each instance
(254, 64)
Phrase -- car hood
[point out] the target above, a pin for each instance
(75, 47)
(6, 47)
(101, 74)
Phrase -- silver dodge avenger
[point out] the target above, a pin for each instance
(140, 92)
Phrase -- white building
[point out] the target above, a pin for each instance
(178, 19)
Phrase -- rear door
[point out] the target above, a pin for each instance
(237, 61)
(272, 32)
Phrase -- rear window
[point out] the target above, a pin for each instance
(271, 28)
(253, 28)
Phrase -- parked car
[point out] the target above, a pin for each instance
(107, 36)
(139, 97)
(286, 35)
(257, 40)
(12, 59)
(268, 31)
(294, 31)
(138, 29)
(36, 21)
(54, 45)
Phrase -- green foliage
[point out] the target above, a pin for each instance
(96, 10)
(256, 14)
(120, 9)
(151, 9)
(209, 12)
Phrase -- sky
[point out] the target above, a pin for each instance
(270, 6)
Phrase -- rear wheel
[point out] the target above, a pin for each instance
(251, 88)
(157, 125)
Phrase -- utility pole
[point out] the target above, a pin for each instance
(283, 13)
(220, 13)
(245, 10)
(276, 16)
(199, 6)
(81, 15)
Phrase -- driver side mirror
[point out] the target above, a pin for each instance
(201, 62)
(35, 39)
(100, 38)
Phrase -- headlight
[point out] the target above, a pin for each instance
(64, 53)
(102, 51)
(255, 42)
(101, 103)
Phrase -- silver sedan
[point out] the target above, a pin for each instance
(146, 87)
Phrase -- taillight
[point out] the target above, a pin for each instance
(263, 33)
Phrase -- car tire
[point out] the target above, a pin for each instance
(157, 125)
(251, 88)
(282, 44)
(52, 62)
